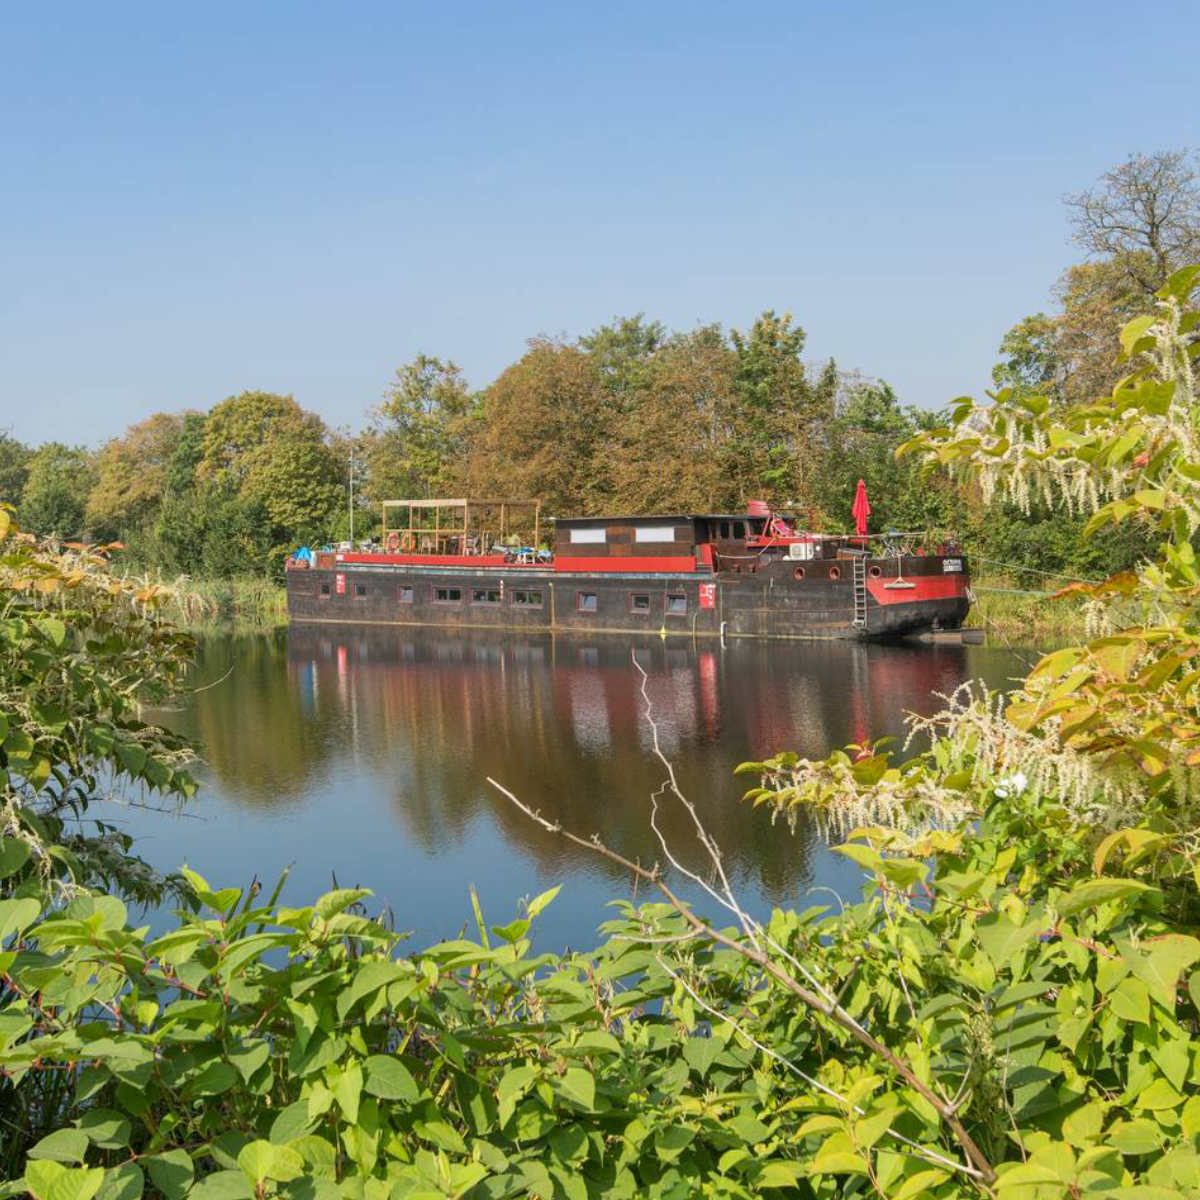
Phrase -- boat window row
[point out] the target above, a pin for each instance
(673, 604)
(406, 594)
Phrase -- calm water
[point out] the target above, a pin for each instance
(362, 755)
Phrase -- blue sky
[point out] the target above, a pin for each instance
(196, 200)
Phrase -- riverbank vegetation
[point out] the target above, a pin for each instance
(631, 416)
(1012, 1010)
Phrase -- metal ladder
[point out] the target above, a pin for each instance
(860, 591)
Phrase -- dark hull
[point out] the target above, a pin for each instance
(782, 599)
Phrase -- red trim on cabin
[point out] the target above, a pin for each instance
(640, 565)
(925, 587)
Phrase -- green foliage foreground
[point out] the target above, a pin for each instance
(1011, 1010)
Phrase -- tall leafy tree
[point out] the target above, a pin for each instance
(416, 443)
(14, 468)
(56, 489)
(624, 352)
(272, 455)
(779, 436)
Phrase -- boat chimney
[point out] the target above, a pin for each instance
(757, 508)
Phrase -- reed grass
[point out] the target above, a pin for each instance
(1018, 616)
(250, 603)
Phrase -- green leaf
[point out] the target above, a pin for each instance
(223, 1185)
(291, 1123)
(578, 1085)
(1135, 330)
(539, 902)
(1001, 939)
(53, 630)
(171, 1173)
(1092, 892)
(779, 1173)
(125, 1182)
(63, 1145)
(347, 1090)
(1131, 1001)
(513, 931)
(870, 860)
(17, 915)
(105, 1128)
(14, 854)
(49, 1180)
(1160, 962)
(261, 1161)
(389, 1079)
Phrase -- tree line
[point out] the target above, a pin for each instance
(630, 417)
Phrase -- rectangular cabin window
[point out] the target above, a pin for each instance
(324, 589)
(404, 595)
(725, 530)
(485, 596)
(590, 537)
(527, 599)
(586, 602)
(739, 530)
(447, 595)
(360, 589)
(676, 604)
(654, 533)
(639, 602)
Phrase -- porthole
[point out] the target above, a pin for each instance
(798, 573)
(835, 572)
(875, 572)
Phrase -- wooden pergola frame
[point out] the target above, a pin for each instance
(433, 525)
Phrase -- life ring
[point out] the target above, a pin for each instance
(408, 541)
(393, 542)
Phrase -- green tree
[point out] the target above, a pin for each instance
(14, 468)
(275, 459)
(623, 352)
(54, 498)
(417, 442)
(779, 438)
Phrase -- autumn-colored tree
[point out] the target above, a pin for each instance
(131, 474)
(56, 490)
(543, 426)
(1138, 225)
(673, 453)
(416, 444)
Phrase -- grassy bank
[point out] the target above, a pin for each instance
(248, 603)
(1020, 616)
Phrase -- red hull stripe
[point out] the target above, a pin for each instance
(926, 587)
(679, 563)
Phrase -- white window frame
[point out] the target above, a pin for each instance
(654, 533)
(589, 537)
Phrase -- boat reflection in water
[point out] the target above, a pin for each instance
(365, 751)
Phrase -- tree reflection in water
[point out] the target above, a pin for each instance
(365, 750)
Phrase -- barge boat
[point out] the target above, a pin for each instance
(482, 564)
